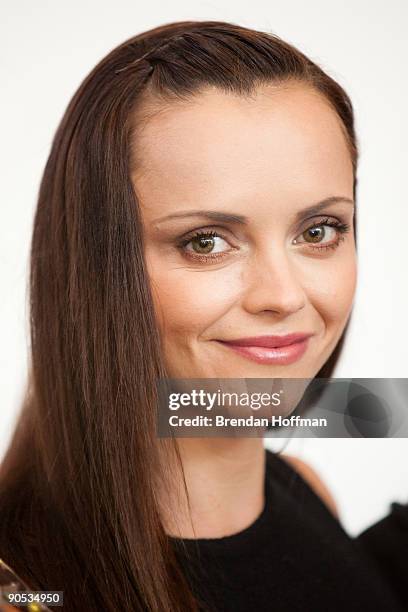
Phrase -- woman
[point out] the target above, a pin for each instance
(200, 190)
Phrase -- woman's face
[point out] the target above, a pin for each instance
(244, 172)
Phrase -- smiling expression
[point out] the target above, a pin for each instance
(247, 209)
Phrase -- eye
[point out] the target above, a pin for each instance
(210, 247)
(317, 233)
(204, 245)
(325, 235)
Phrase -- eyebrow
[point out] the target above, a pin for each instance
(216, 215)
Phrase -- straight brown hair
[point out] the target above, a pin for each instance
(78, 484)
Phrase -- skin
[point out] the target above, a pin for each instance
(268, 158)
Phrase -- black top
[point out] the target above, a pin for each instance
(297, 557)
(294, 557)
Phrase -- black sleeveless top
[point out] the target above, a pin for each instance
(297, 557)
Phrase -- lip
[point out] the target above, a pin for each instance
(281, 350)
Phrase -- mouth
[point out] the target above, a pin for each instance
(282, 350)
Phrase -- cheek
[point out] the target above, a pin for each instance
(333, 289)
(187, 301)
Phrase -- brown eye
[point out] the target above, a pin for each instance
(205, 247)
(322, 233)
(314, 234)
(203, 244)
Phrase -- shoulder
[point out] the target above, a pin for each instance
(312, 478)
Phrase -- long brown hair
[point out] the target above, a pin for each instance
(78, 485)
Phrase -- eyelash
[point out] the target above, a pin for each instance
(342, 228)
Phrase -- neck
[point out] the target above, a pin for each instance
(225, 482)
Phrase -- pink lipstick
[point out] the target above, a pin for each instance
(281, 350)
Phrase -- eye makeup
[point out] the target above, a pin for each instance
(206, 239)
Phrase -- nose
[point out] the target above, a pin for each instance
(273, 283)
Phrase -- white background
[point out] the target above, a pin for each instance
(47, 49)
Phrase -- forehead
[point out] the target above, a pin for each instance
(283, 144)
